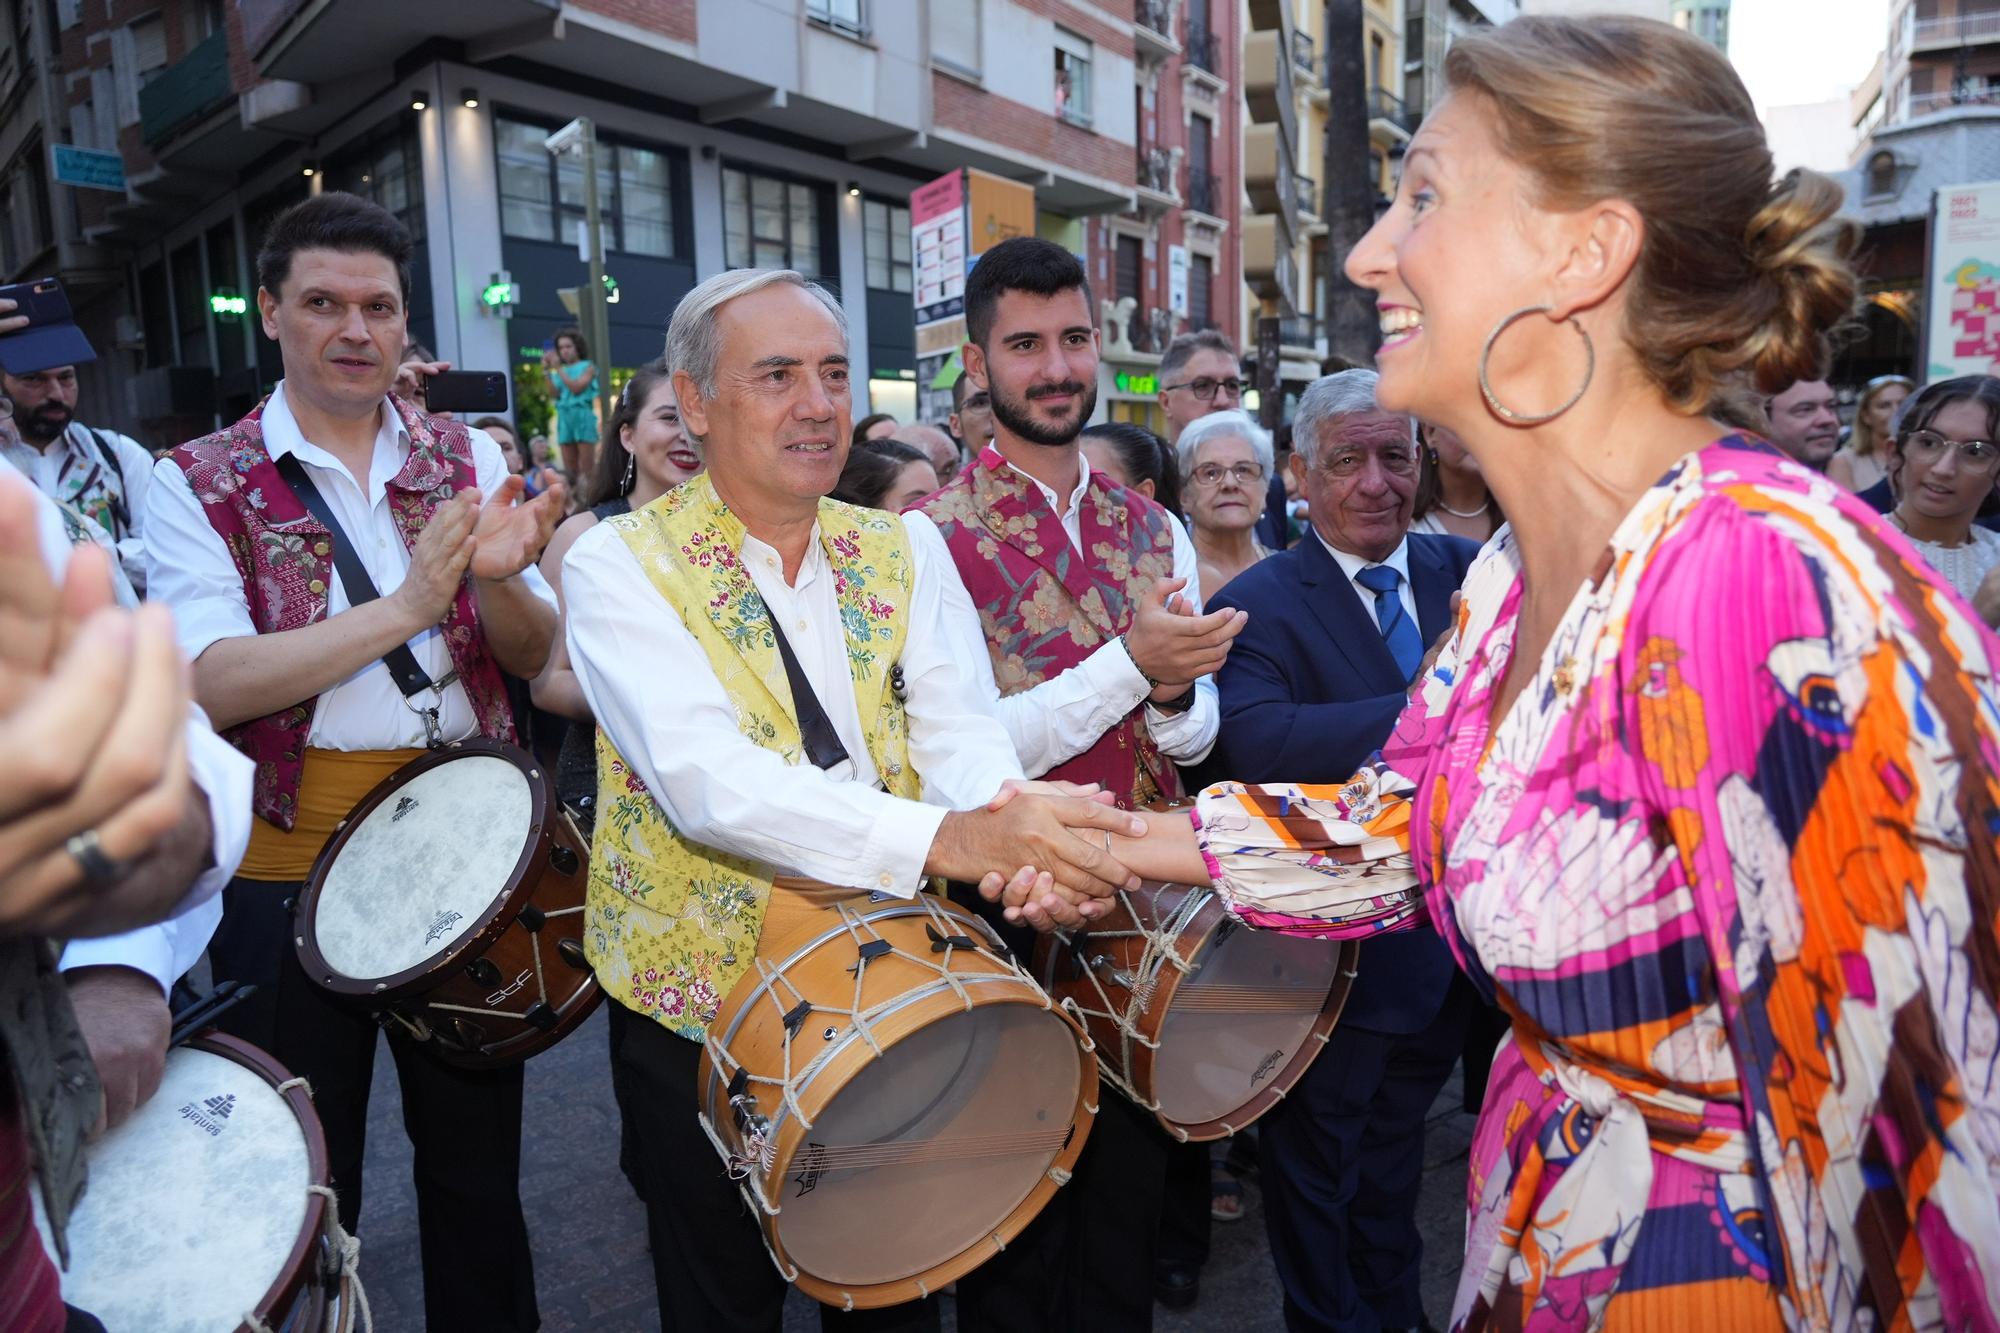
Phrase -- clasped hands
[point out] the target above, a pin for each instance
(1063, 830)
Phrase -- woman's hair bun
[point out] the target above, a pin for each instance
(1803, 250)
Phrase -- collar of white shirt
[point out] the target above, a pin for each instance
(282, 436)
(1350, 565)
(1048, 492)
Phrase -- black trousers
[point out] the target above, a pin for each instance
(710, 1266)
(464, 1126)
(1085, 1265)
(1342, 1164)
(1185, 1220)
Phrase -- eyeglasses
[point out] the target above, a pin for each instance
(1243, 474)
(1927, 446)
(1204, 388)
(1351, 462)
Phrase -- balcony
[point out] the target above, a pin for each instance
(186, 91)
(1305, 197)
(1923, 104)
(1204, 193)
(1269, 170)
(1267, 83)
(1304, 58)
(1389, 121)
(1300, 331)
(1268, 265)
(1155, 185)
(1270, 15)
(1203, 48)
(1153, 30)
(1975, 29)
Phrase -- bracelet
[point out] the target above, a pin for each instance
(1151, 684)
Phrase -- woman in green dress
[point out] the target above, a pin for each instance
(573, 380)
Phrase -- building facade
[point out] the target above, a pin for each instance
(730, 133)
(1942, 54)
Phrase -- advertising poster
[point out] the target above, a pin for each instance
(1962, 321)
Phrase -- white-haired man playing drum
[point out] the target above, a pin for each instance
(729, 761)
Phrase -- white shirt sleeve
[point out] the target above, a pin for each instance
(189, 568)
(1049, 723)
(1187, 737)
(712, 782)
(167, 949)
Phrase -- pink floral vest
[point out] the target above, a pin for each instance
(1045, 607)
(286, 561)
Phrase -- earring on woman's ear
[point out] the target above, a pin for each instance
(1508, 414)
(631, 470)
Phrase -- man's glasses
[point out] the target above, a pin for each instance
(1927, 446)
(1204, 388)
(1243, 474)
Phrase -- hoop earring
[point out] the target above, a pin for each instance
(1508, 414)
(631, 470)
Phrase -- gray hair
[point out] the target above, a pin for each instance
(1182, 349)
(1345, 394)
(692, 344)
(926, 438)
(1229, 425)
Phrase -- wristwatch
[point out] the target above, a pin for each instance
(1180, 703)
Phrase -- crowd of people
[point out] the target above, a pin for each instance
(1681, 708)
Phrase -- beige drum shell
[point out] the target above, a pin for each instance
(1131, 1065)
(815, 958)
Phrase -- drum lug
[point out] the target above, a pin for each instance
(563, 860)
(483, 972)
(572, 953)
(531, 917)
(541, 1017)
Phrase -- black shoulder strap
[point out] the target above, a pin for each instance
(119, 510)
(822, 742)
(402, 663)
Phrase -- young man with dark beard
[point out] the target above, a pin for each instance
(1086, 598)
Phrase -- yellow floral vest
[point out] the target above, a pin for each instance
(672, 923)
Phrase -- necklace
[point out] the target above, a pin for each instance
(1484, 505)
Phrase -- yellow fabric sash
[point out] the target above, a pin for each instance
(335, 782)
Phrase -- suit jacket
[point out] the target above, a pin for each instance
(1309, 692)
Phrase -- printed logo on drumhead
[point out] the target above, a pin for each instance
(1265, 1066)
(443, 922)
(811, 1167)
(211, 1114)
(404, 805)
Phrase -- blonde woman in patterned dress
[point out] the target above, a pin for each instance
(1703, 785)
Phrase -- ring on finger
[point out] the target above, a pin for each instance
(89, 854)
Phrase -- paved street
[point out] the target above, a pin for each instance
(591, 1267)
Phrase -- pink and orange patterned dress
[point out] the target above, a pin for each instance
(1732, 865)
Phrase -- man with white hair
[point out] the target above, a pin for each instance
(1338, 626)
(815, 695)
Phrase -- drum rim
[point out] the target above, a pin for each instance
(291, 1281)
(484, 930)
(1212, 916)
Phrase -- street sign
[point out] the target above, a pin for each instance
(87, 168)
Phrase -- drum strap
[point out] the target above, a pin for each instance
(816, 731)
(409, 676)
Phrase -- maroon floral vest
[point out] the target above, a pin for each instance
(1045, 607)
(286, 561)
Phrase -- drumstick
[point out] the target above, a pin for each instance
(204, 1010)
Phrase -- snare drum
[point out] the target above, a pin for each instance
(897, 1098)
(452, 900)
(1197, 1019)
(206, 1211)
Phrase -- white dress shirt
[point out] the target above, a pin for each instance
(652, 690)
(165, 950)
(1399, 560)
(75, 451)
(1063, 716)
(190, 569)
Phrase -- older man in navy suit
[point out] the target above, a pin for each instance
(1338, 626)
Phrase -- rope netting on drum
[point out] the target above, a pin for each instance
(342, 1271)
(759, 1147)
(1138, 983)
(541, 979)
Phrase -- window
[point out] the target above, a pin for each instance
(885, 237)
(1128, 270)
(1202, 192)
(1201, 279)
(190, 305)
(1882, 174)
(138, 54)
(1073, 55)
(955, 34)
(542, 196)
(848, 16)
(1377, 56)
(771, 222)
(386, 169)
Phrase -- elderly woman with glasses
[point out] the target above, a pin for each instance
(1225, 458)
(1945, 462)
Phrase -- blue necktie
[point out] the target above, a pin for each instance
(1405, 643)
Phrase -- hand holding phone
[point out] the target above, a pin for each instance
(43, 334)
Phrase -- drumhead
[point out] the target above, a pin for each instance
(926, 1150)
(1236, 1021)
(194, 1204)
(423, 866)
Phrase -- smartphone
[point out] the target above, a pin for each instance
(470, 392)
(51, 338)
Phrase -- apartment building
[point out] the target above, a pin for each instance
(730, 133)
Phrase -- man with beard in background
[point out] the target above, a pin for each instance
(1087, 600)
(96, 475)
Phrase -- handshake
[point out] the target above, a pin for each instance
(1064, 833)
